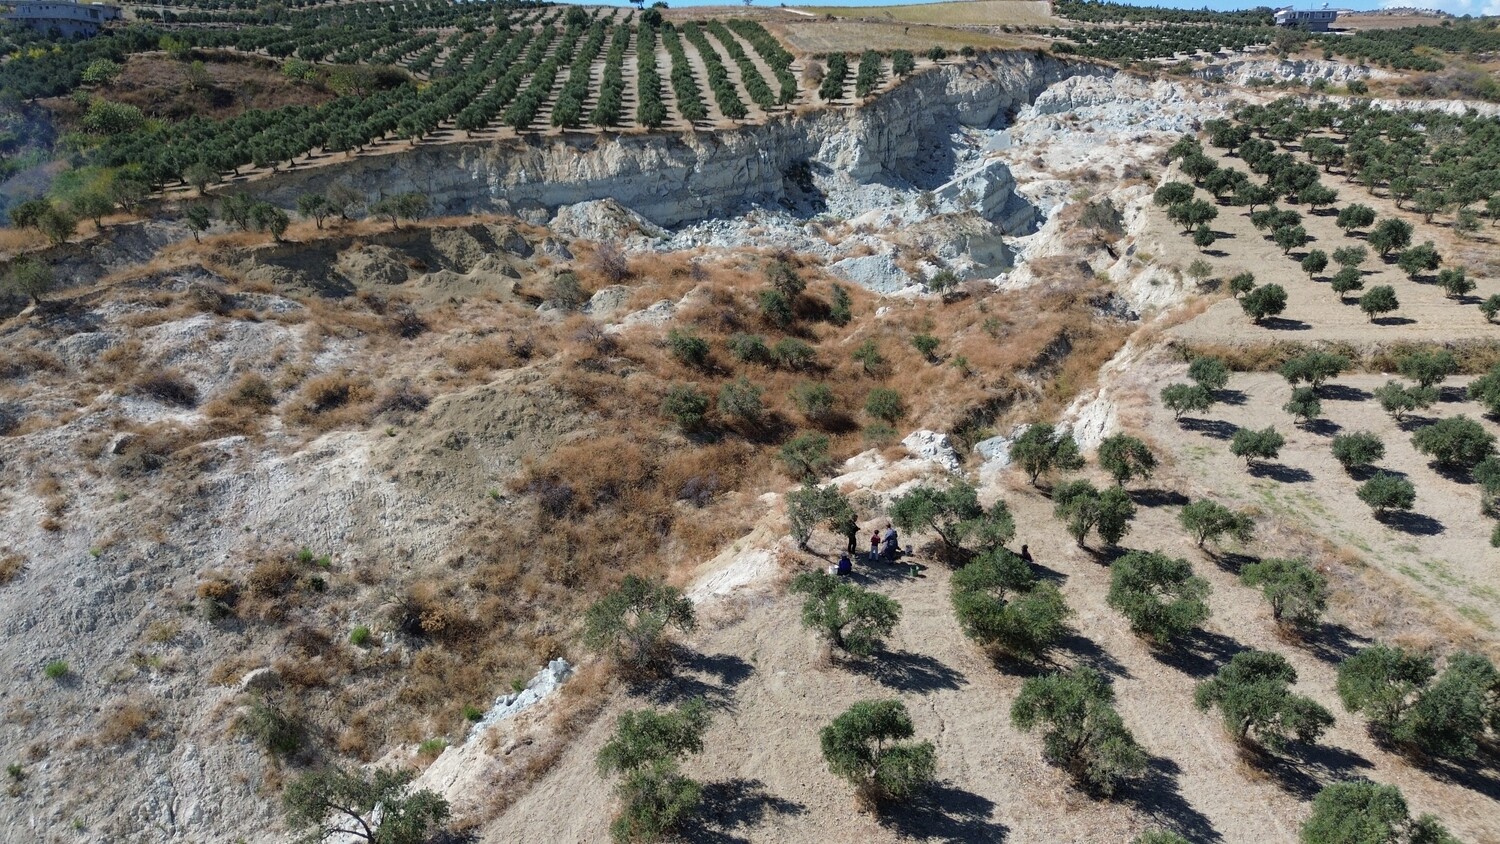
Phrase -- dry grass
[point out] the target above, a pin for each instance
(11, 566)
(125, 721)
(331, 401)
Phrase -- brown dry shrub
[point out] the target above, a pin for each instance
(167, 386)
(11, 566)
(331, 401)
(25, 361)
(124, 721)
(150, 448)
(303, 673)
(230, 670)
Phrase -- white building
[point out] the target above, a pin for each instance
(68, 18)
(1313, 20)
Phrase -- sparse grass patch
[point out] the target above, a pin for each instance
(125, 720)
(11, 566)
(57, 669)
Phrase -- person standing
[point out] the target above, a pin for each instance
(875, 546)
(892, 546)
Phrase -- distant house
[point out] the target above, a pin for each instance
(70, 19)
(1313, 20)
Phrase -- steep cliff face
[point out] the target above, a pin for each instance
(678, 179)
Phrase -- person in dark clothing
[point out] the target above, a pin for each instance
(1026, 553)
(892, 548)
(844, 566)
(851, 531)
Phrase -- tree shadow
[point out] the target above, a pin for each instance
(1231, 561)
(1456, 474)
(1157, 795)
(732, 806)
(1216, 253)
(1334, 643)
(1200, 655)
(1216, 428)
(948, 814)
(713, 677)
(1087, 652)
(1158, 497)
(908, 672)
(1231, 397)
(884, 571)
(1280, 473)
(1451, 393)
(1312, 767)
(1321, 427)
(1046, 573)
(1394, 320)
(1478, 775)
(1284, 324)
(1106, 555)
(1412, 523)
(1343, 392)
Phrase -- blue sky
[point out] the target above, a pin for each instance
(1457, 7)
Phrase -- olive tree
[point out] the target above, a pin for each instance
(1398, 399)
(630, 625)
(1082, 731)
(1264, 301)
(1210, 373)
(1297, 592)
(1186, 398)
(645, 751)
(1382, 682)
(29, 277)
(811, 505)
(375, 806)
(1255, 445)
(1002, 605)
(1083, 508)
(1314, 368)
(1357, 449)
(1125, 457)
(1364, 812)
(1208, 521)
(1385, 492)
(1304, 405)
(1456, 442)
(854, 620)
(1041, 449)
(1427, 368)
(1160, 596)
(1378, 301)
(1253, 694)
(956, 516)
(867, 746)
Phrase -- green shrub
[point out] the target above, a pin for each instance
(432, 747)
(1448, 718)
(473, 714)
(1357, 449)
(885, 404)
(686, 405)
(1427, 368)
(854, 620)
(1253, 694)
(793, 354)
(866, 746)
(868, 355)
(1208, 520)
(814, 400)
(741, 400)
(806, 455)
(840, 306)
(748, 348)
(1486, 390)
(1297, 592)
(1084, 734)
(1160, 596)
(360, 636)
(275, 731)
(688, 348)
(1347, 280)
(1315, 368)
(57, 669)
(926, 344)
(776, 308)
(810, 505)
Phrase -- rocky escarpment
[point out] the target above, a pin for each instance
(905, 136)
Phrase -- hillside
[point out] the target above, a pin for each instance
(355, 356)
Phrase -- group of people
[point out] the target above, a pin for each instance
(884, 545)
